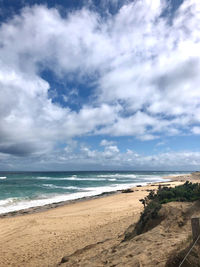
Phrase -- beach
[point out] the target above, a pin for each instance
(43, 238)
(99, 133)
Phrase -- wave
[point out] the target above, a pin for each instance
(85, 179)
(56, 178)
(11, 201)
(71, 179)
(3, 178)
(6, 201)
(16, 204)
(111, 177)
(117, 175)
(52, 186)
(46, 178)
(105, 177)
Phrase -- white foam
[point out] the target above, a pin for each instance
(45, 178)
(15, 204)
(52, 186)
(3, 178)
(19, 204)
(72, 187)
(117, 175)
(71, 179)
(7, 201)
(84, 179)
(105, 177)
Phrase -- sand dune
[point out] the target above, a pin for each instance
(149, 249)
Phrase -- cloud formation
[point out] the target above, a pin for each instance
(109, 159)
(144, 71)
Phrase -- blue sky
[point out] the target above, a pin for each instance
(99, 85)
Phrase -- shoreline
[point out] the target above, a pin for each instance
(43, 237)
(54, 205)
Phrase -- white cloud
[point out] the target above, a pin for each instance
(105, 142)
(196, 130)
(161, 143)
(110, 152)
(87, 153)
(146, 74)
(71, 146)
(109, 159)
(157, 71)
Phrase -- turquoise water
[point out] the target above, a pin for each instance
(22, 190)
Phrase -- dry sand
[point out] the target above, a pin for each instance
(43, 238)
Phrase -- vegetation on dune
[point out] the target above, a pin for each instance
(186, 192)
(150, 217)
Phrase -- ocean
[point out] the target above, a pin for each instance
(22, 190)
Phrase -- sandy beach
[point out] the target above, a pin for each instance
(43, 238)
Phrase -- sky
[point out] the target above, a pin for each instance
(99, 85)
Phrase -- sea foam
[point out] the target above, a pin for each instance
(52, 186)
(16, 204)
(28, 190)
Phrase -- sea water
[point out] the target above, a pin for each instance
(22, 190)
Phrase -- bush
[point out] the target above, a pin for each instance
(152, 203)
(149, 215)
(186, 192)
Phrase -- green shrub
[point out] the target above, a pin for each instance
(186, 192)
(152, 203)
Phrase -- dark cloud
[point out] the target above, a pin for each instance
(20, 149)
(183, 72)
